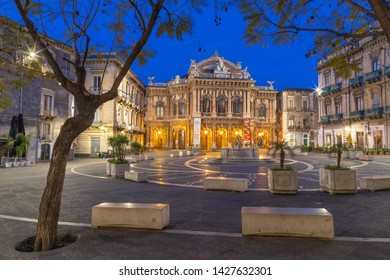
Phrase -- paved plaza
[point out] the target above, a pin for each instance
(204, 224)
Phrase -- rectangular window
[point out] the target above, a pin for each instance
(97, 116)
(291, 104)
(305, 105)
(375, 63)
(126, 118)
(376, 100)
(160, 112)
(47, 105)
(291, 121)
(45, 135)
(359, 104)
(306, 121)
(328, 109)
(327, 79)
(359, 73)
(97, 81)
(338, 108)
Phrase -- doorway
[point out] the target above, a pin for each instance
(95, 146)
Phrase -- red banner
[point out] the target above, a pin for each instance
(247, 131)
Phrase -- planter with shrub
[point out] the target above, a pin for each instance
(337, 179)
(282, 179)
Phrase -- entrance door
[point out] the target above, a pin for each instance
(305, 140)
(45, 152)
(360, 139)
(95, 146)
(377, 139)
(181, 140)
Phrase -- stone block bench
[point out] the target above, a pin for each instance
(280, 221)
(375, 183)
(131, 215)
(136, 176)
(225, 184)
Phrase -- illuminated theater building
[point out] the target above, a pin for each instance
(215, 105)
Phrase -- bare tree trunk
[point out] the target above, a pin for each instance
(382, 12)
(49, 209)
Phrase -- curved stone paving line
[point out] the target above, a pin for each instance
(257, 181)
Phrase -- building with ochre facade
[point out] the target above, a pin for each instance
(215, 105)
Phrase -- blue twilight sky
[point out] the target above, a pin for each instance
(286, 65)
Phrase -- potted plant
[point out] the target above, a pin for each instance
(118, 164)
(282, 179)
(23, 143)
(136, 150)
(336, 178)
(9, 146)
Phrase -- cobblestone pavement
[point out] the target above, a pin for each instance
(204, 225)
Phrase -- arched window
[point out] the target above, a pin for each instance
(174, 109)
(160, 109)
(206, 104)
(262, 112)
(236, 104)
(182, 108)
(221, 104)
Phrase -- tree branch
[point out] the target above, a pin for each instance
(361, 9)
(42, 46)
(113, 92)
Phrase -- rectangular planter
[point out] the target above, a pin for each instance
(108, 169)
(338, 181)
(282, 182)
(118, 170)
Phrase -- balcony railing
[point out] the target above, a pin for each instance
(325, 119)
(373, 77)
(387, 71)
(299, 128)
(374, 113)
(336, 117)
(356, 82)
(325, 90)
(336, 88)
(359, 114)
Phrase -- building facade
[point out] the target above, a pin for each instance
(354, 111)
(215, 105)
(125, 114)
(37, 97)
(299, 115)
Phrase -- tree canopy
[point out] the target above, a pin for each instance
(333, 23)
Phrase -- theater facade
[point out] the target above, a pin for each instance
(215, 105)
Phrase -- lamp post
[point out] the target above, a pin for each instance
(31, 56)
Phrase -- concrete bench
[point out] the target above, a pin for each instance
(226, 184)
(131, 215)
(375, 183)
(367, 157)
(149, 157)
(280, 221)
(174, 155)
(136, 176)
